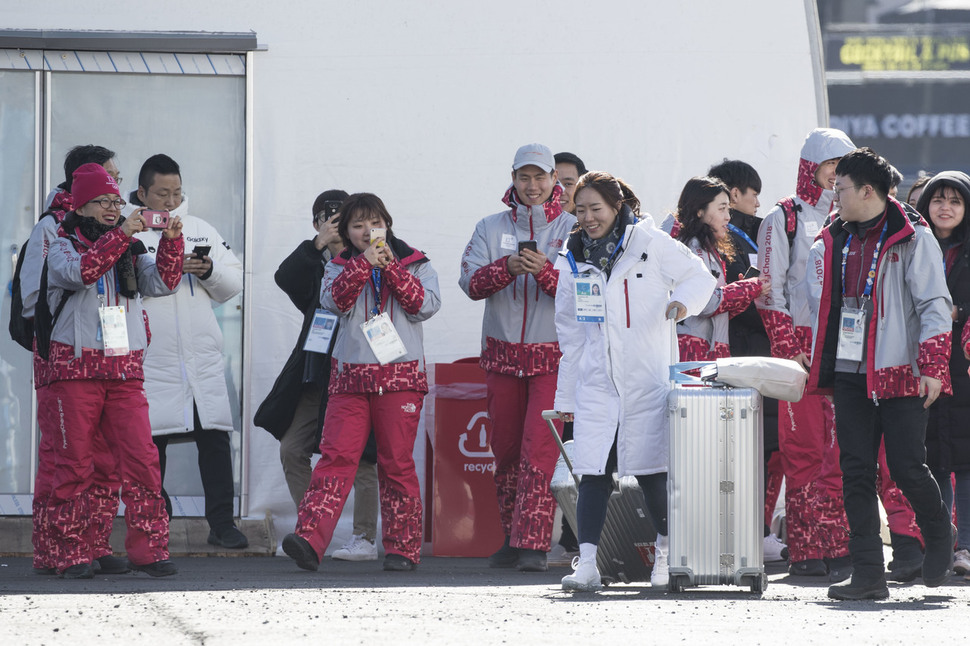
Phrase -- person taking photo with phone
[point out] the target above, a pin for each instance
(377, 381)
(92, 332)
(184, 369)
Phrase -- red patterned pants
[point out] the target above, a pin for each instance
(525, 456)
(80, 417)
(349, 419)
(817, 527)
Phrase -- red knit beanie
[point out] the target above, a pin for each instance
(91, 181)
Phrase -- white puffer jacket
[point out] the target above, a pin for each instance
(184, 362)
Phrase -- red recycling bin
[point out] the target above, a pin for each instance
(464, 512)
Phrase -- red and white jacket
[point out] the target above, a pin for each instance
(409, 295)
(785, 308)
(519, 328)
(910, 331)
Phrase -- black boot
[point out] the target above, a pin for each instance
(506, 556)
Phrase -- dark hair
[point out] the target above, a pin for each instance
(957, 182)
(333, 195)
(736, 174)
(918, 184)
(570, 158)
(362, 205)
(159, 164)
(864, 166)
(81, 155)
(897, 177)
(698, 193)
(613, 190)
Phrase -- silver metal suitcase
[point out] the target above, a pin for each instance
(626, 546)
(715, 484)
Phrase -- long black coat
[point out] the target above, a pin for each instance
(948, 430)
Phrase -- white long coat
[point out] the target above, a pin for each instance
(614, 376)
(184, 360)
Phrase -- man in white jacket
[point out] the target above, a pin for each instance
(184, 372)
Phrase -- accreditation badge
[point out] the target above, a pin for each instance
(114, 330)
(852, 334)
(320, 335)
(383, 338)
(590, 302)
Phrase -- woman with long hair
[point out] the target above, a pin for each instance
(703, 213)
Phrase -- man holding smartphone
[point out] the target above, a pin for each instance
(184, 370)
(507, 264)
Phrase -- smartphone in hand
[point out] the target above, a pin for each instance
(528, 244)
(156, 219)
(378, 234)
(201, 250)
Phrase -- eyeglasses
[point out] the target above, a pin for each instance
(838, 189)
(106, 204)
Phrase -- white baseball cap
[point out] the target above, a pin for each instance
(534, 155)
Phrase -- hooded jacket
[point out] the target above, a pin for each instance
(908, 334)
(409, 295)
(948, 430)
(519, 328)
(785, 308)
(185, 367)
(614, 375)
(705, 336)
(77, 265)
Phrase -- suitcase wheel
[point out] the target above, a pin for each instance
(759, 583)
(676, 583)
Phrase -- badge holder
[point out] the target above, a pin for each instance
(383, 338)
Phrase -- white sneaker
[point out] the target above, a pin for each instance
(358, 548)
(659, 575)
(775, 550)
(585, 576)
(961, 562)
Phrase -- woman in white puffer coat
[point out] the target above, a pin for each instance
(613, 376)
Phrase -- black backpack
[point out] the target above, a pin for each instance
(23, 329)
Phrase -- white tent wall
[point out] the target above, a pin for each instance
(424, 104)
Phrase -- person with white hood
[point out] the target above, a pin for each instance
(818, 539)
(184, 370)
(617, 346)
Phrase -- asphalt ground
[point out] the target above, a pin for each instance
(268, 601)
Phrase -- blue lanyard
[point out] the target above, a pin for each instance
(375, 281)
(871, 276)
(738, 231)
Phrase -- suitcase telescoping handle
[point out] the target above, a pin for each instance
(549, 416)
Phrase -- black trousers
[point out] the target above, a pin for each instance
(859, 425)
(594, 496)
(215, 469)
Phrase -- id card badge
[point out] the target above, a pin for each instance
(114, 330)
(383, 339)
(320, 335)
(852, 334)
(590, 303)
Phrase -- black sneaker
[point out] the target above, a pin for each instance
(532, 561)
(79, 571)
(840, 568)
(299, 549)
(229, 537)
(506, 556)
(111, 564)
(156, 569)
(808, 567)
(856, 590)
(398, 563)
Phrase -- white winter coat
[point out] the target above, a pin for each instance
(614, 376)
(184, 363)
